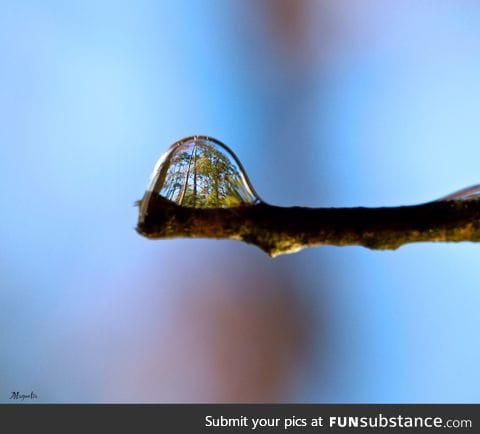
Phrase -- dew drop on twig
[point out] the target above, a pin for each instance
(201, 172)
(469, 193)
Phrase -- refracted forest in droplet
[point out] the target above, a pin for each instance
(200, 175)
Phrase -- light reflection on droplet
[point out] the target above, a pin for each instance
(469, 193)
(201, 172)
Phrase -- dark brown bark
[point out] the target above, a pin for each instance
(278, 230)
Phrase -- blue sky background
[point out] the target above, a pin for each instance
(331, 103)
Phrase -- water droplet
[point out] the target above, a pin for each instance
(201, 172)
(469, 193)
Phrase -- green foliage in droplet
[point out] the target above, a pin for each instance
(202, 176)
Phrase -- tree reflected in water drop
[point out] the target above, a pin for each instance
(201, 172)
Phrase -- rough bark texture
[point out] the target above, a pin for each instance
(279, 230)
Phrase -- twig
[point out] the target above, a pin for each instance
(278, 230)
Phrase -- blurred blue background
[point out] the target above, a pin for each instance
(326, 103)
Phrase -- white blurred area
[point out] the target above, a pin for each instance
(326, 103)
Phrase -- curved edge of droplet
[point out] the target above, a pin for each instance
(159, 163)
(468, 193)
(243, 172)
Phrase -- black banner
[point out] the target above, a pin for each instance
(248, 418)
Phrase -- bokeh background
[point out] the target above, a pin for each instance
(326, 103)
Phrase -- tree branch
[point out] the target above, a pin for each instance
(278, 230)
